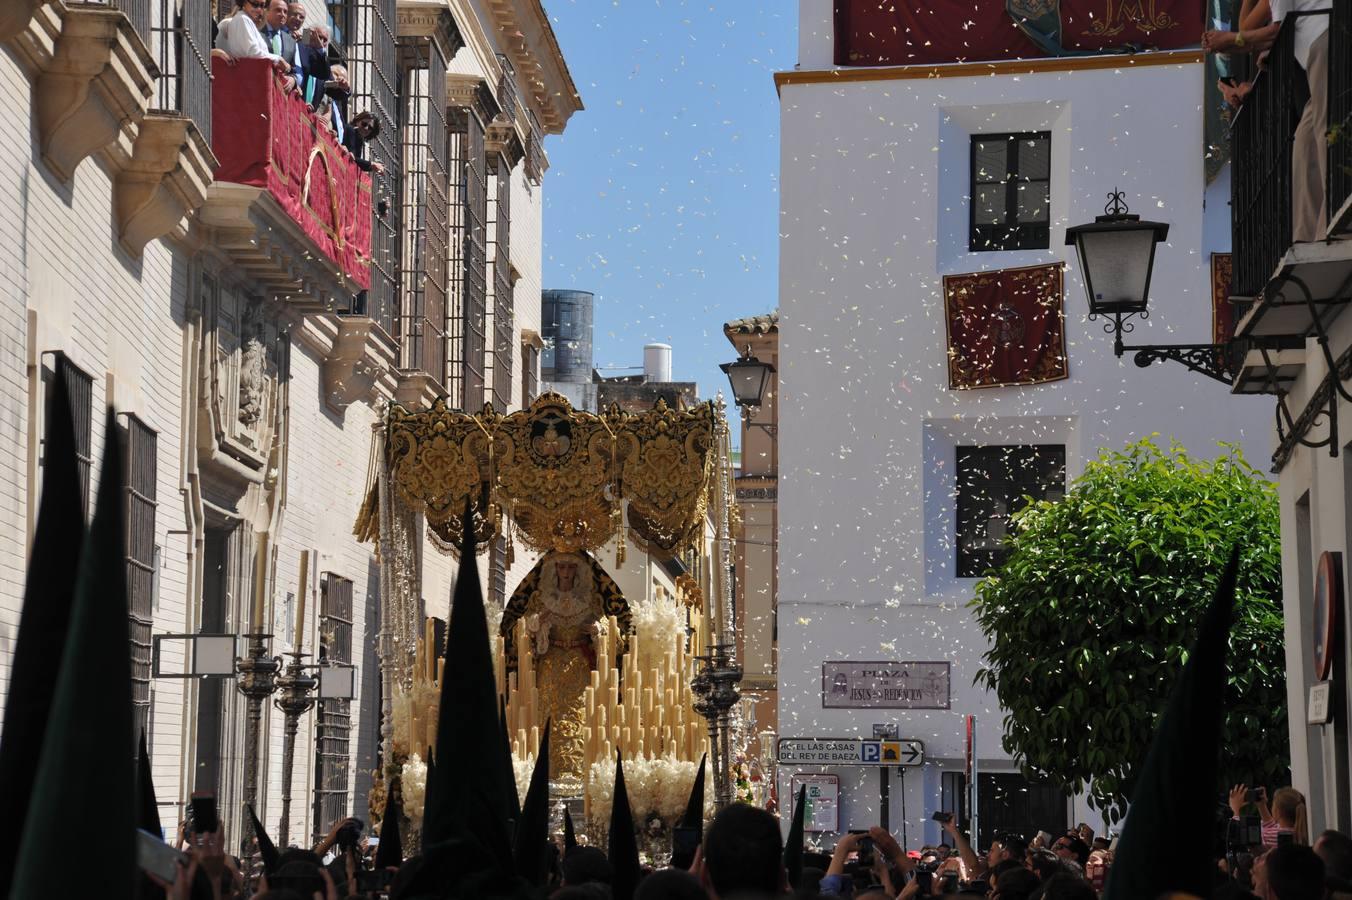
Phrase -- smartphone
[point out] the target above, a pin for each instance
(204, 819)
(1254, 795)
(153, 855)
(684, 843)
(941, 816)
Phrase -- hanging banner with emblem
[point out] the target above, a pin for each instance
(885, 685)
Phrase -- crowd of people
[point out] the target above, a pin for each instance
(307, 63)
(1261, 849)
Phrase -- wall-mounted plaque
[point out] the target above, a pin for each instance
(1328, 597)
(885, 685)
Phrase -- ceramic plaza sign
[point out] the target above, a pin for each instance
(885, 685)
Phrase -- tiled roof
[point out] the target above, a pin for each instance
(766, 324)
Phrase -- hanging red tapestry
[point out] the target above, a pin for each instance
(1005, 327)
(1222, 310)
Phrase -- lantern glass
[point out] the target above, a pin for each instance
(747, 376)
(213, 654)
(1117, 256)
(337, 682)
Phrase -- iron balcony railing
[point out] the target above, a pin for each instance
(1340, 107)
(1261, 145)
(1260, 185)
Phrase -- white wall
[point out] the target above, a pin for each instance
(874, 213)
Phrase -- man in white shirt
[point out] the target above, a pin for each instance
(239, 38)
(1309, 152)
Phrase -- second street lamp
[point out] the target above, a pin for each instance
(748, 377)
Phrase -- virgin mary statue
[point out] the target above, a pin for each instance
(561, 602)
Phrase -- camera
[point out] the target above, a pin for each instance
(349, 836)
(865, 850)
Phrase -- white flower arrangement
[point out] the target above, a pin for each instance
(522, 769)
(413, 779)
(658, 624)
(657, 787)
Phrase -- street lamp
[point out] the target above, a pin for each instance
(1117, 258)
(749, 378)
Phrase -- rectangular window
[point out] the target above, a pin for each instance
(80, 385)
(1011, 183)
(993, 483)
(530, 374)
(474, 200)
(140, 442)
(500, 230)
(333, 758)
(363, 31)
(426, 229)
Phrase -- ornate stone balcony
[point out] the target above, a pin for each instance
(289, 205)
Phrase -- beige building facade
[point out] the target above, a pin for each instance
(246, 367)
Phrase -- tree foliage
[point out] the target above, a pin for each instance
(1091, 616)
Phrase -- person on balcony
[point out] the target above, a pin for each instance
(364, 127)
(295, 20)
(279, 39)
(1309, 152)
(238, 37)
(314, 59)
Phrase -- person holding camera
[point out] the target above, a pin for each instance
(345, 844)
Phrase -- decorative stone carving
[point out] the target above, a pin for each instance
(168, 177)
(430, 19)
(95, 89)
(252, 364)
(361, 356)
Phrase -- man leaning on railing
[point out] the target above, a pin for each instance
(239, 37)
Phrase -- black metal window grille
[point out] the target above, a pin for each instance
(508, 96)
(535, 150)
(179, 37)
(333, 758)
(1011, 191)
(80, 385)
(993, 483)
(457, 138)
(364, 33)
(504, 347)
(422, 317)
(140, 441)
(530, 379)
(475, 202)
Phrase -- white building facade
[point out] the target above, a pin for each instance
(247, 368)
(877, 556)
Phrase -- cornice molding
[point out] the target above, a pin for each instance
(525, 35)
(430, 20)
(995, 67)
(470, 92)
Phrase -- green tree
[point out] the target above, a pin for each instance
(1090, 618)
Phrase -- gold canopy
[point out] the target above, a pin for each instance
(561, 475)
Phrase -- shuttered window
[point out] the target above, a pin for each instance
(140, 441)
(80, 386)
(504, 346)
(333, 743)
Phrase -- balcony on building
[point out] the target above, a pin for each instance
(1286, 292)
(128, 81)
(292, 211)
(290, 207)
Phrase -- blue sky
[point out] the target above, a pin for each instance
(662, 195)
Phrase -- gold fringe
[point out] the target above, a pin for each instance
(367, 527)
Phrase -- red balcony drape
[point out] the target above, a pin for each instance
(266, 137)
